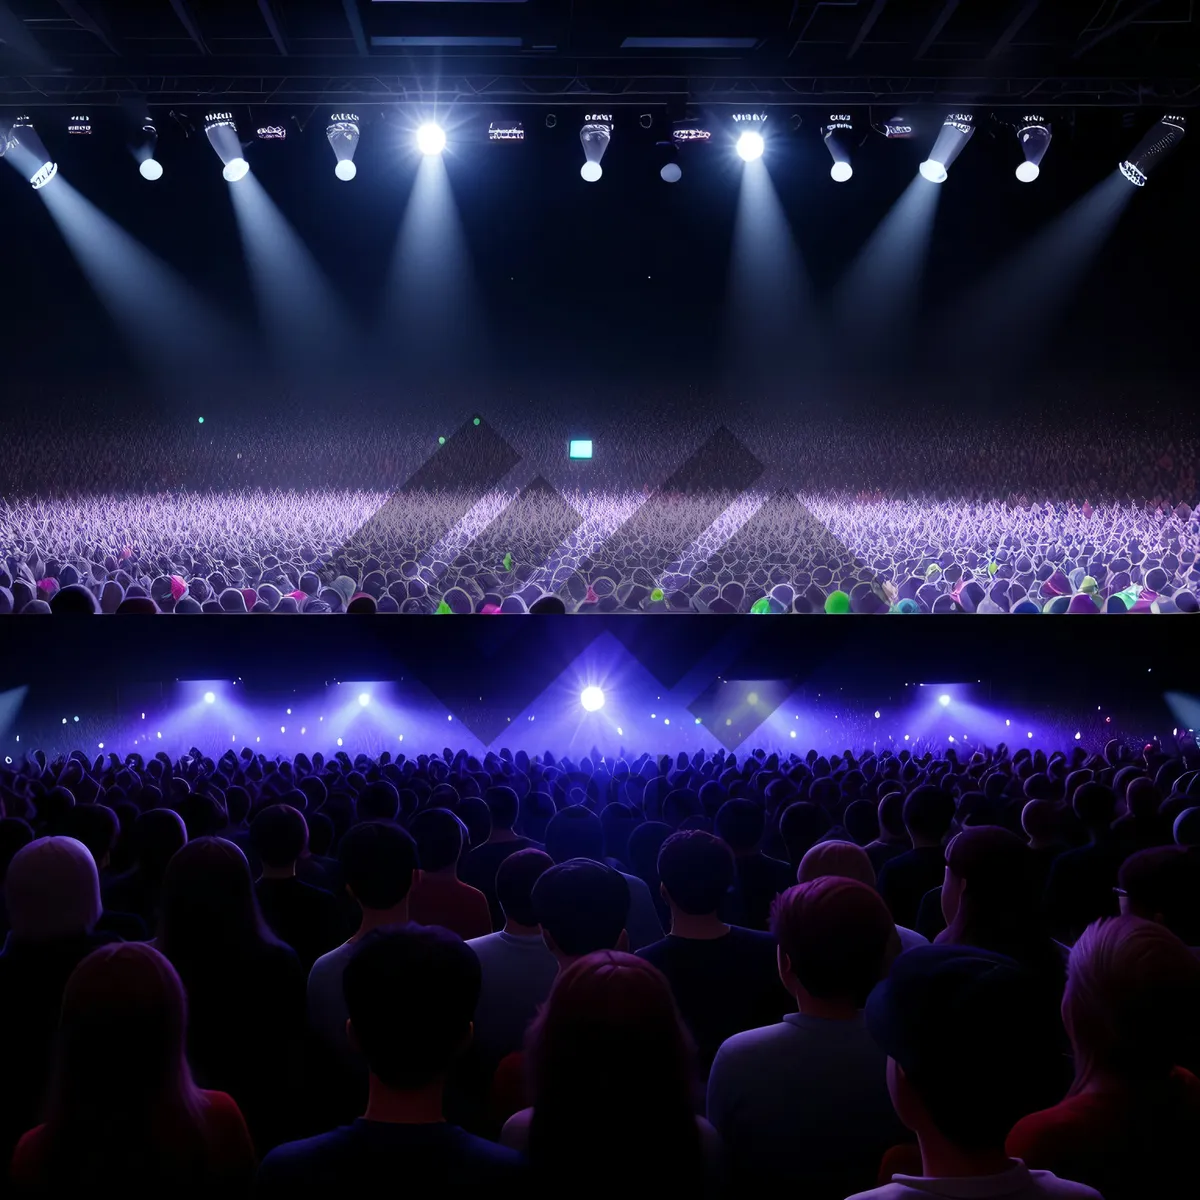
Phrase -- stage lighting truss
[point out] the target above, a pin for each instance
(506, 131)
(343, 134)
(837, 134)
(957, 130)
(748, 131)
(1034, 135)
(221, 130)
(594, 137)
(1159, 141)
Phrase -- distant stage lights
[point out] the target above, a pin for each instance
(592, 698)
(506, 131)
(594, 137)
(221, 131)
(837, 133)
(956, 131)
(210, 697)
(431, 138)
(1034, 135)
(26, 150)
(364, 698)
(944, 700)
(1162, 137)
(684, 135)
(342, 132)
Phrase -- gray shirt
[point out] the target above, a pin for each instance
(803, 1105)
(518, 972)
(327, 1013)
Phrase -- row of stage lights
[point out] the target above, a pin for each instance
(746, 131)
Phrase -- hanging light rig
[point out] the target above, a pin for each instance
(343, 133)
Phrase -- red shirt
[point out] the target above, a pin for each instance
(439, 900)
(231, 1152)
(1127, 1146)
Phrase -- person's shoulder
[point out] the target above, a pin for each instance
(655, 952)
(1053, 1188)
(293, 1162)
(515, 1134)
(1040, 1136)
(491, 1157)
(485, 943)
(331, 963)
(753, 939)
(750, 1045)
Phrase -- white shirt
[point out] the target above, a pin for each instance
(518, 972)
(1017, 1183)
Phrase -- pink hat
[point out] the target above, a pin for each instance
(47, 586)
(251, 596)
(299, 597)
(179, 589)
(490, 609)
(591, 596)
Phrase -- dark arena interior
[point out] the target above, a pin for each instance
(607, 308)
(312, 304)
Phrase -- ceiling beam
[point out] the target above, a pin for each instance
(16, 38)
(354, 19)
(937, 27)
(1014, 27)
(866, 27)
(90, 17)
(183, 10)
(1114, 27)
(271, 18)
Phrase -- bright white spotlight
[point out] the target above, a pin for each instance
(342, 132)
(838, 134)
(943, 700)
(750, 145)
(236, 169)
(209, 697)
(594, 137)
(933, 170)
(221, 130)
(592, 698)
(957, 130)
(1027, 172)
(840, 172)
(671, 172)
(364, 699)
(431, 139)
(151, 169)
(1034, 134)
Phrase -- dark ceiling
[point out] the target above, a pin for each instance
(1079, 52)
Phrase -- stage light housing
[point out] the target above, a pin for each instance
(25, 148)
(506, 131)
(957, 130)
(221, 131)
(671, 172)
(837, 134)
(79, 125)
(431, 138)
(592, 698)
(343, 132)
(750, 145)
(579, 448)
(594, 137)
(1034, 134)
(1160, 140)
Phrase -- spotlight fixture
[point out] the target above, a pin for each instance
(683, 134)
(944, 700)
(1034, 135)
(506, 131)
(26, 150)
(1163, 136)
(148, 166)
(79, 125)
(210, 697)
(955, 133)
(221, 131)
(592, 698)
(749, 126)
(837, 133)
(646, 120)
(342, 132)
(364, 698)
(595, 136)
(271, 133)
(431, 138)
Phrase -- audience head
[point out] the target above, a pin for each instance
(575, 832)
(928, 812)
(613, 1077)
(582, 906)
(861, 822)
(988, 883)
(411, 1035)
(504, 806)
(157, 836)
(696, 871)
(1096, 807)
(1131, 997)
(963, 1030)
(440, 838)
(890, 812)
(378, 801)
(1186, 829)
(515, 880)
(279, 836)
(836, 938)
(97, 827)
(1041, 822)
(52, 891)
(740, 825)
(378, 860)
(1162, 884)
(843, 860)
